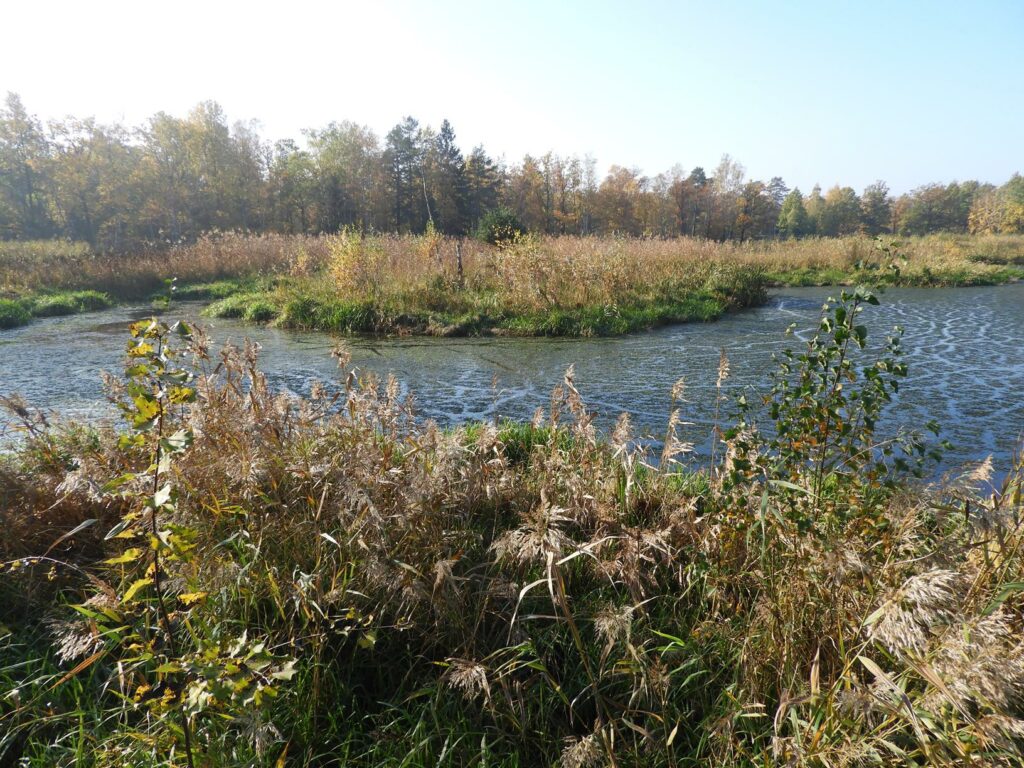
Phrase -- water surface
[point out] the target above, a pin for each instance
(965, 353)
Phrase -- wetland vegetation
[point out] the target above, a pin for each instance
(242, 577)
(526, 285)
(236, 575)
(409, 234)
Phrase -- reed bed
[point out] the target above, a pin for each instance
(503, 594)
(528, 286)
(60, 266)
(433, 284)
(585, 286)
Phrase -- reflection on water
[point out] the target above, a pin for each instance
(965, 352)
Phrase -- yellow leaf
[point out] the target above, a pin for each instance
(130, 555)
(134, 589)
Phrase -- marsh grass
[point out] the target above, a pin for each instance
(526, 594)
(56, 265)
(529, 285)
(19, 311)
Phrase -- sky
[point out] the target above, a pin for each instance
(815, 92)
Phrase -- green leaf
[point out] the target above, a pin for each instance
(122, 525)
(124, 442)
(117, 482)
(1002, 596)
(142, 349)
(179, 441)
(791, 486)
(181, 395)
(286, 672)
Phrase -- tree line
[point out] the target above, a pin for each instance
(118, 187)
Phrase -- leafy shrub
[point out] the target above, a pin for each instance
(499, 225)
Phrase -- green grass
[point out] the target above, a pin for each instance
(21, 310)
(13, 313)
(69, 303)
(219, 289)
(307, 306)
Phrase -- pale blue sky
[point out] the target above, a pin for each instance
(909, 92)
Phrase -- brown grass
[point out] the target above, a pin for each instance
(562, 270)
(37, 266)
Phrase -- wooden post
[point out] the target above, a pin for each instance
(458, 261)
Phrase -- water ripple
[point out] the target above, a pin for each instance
(965, 350)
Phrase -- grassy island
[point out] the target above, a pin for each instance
(528, 286)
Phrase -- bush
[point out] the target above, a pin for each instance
(498, 226)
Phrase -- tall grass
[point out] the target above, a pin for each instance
(584, 286)
(519, 594)
(563, 269)
(531, 286)
(57, 265)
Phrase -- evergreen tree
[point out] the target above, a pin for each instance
(449, 186)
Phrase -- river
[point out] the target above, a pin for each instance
(965, 352)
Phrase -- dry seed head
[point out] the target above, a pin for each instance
(673, 445)
(581, 753)
(469, 677)
(74, 639)
(980, 663)
(982, 473)
(924, 602)
(843, 564)
(1000, 732)
(342, 354)
(444, 574)
(540, 534)
(614, 623)
(622, 433)
(679, 390)
(538, 418)
(723, 369)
